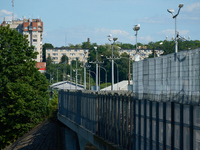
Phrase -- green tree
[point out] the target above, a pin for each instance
(64, 58)
(44, 47)
(23, 89)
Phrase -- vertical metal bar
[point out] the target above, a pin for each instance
(126, 120)
(181, 127)
(98, 113)
(139, 124)
(118, 124)
(164, 126)
(115, 114)
(100, 117)
(109, 118)
(150, 124)
(144, 124)
(134, 126)
(157, 125)
(122, 123)
(191, 126)
(130, 117)
(172, 125)
(104, 115)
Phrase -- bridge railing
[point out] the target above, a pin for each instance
(130, 123)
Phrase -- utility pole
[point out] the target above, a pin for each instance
(129, 68)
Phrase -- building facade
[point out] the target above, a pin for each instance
(33, 29)
(57, 53)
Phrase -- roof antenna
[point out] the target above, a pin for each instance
(12, 10)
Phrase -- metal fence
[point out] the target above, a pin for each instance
(131, 123)
(162, 112)
(169, 78)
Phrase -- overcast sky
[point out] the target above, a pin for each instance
(73, 21)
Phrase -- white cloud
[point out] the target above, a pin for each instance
(119, 32)
(192, 7)
(5, 12)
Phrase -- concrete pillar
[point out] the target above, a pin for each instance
(82, 142)
(71, 140)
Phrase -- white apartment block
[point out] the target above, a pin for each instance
(33, 29)
(57, 53)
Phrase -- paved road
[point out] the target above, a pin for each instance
(46, 136)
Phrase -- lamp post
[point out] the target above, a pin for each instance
(174, 17)
(85, 71)
(117, 76)
(114, 39)
(136, 28)
(96, 62)
(96, 68)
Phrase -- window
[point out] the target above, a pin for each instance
(48, 54)
(26, 28)
(35, 49)
(55, 50)
(55, 58)
(48, 50)
(72, 54)
(55, 54)
(63, 54)
(61, 50)
(34, 36)
(55, 62)
(121, 50)
(34, 27)
(34, 40)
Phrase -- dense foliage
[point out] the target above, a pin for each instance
(23, 89)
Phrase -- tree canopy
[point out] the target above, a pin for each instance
(23, 89)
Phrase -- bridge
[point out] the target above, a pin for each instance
(161, 112)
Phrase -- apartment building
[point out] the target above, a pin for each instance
(57, 53)
(33, 29)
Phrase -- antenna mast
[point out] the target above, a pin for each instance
(12, 10)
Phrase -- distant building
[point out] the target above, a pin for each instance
(33, 29)
(143, 53)
(41, 66)
(72, 53)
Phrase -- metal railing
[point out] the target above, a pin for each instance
(131, 123)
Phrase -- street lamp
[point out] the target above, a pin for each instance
(96, 68)
(114, 39)
(136, 28)
(174, 16)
